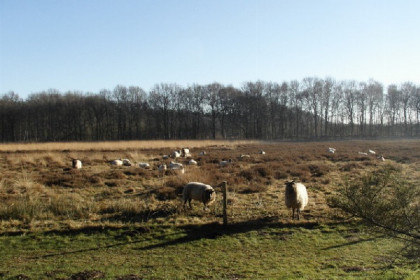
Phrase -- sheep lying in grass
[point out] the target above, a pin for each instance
(225, 162)
(176, 166)
(77, 164)
(117, 162)
(200, 192)
(296, 197)
(192, 162)
(144, 165)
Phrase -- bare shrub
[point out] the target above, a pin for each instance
(387, 201)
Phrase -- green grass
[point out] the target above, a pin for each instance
(251, 250)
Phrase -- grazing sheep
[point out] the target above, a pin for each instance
(176, 154)
(372, 152)
(77, 164)
(296, 197)
(200, 192)
(192, 162)
(177, 166)
(117, 162)
(331, 150)
(363, 153)
(261, 152)
(381, 158)
(185, 152)
(126, 162)
(144, 165)
(225, 162)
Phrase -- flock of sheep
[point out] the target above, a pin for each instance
(370, 152)
(295, 193)
(296, 196)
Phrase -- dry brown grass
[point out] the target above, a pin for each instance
(38, 187)
(75, 147)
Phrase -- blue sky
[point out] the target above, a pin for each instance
(95, 44)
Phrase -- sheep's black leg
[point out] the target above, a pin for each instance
(189, 202)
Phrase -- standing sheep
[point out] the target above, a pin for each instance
(296, 197)
(77, 164)
(200, 192)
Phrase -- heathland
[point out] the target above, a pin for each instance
(126, 222)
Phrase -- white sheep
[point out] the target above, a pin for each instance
(331, 150)
(192, 162)
(296, 197)
(144, 165)
(177, 166)
(261, 152)
(363, 153)
(200, 192)
(372, 152)
(242, 156)
(225, 162)
(117, 162)
(77, 164)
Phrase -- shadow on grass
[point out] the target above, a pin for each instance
(190, 233)
(351, 243)
(215, 230)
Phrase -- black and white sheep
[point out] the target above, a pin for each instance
(77, 163)
(200, 192)
(185, 152)
(176, 154)
(296, 197)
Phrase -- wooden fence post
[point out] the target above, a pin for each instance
(224, 191)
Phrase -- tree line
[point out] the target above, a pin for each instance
(312, 108)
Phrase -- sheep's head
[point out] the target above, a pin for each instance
(210, 195)
(289, 183)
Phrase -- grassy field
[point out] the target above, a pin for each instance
(106, 222)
